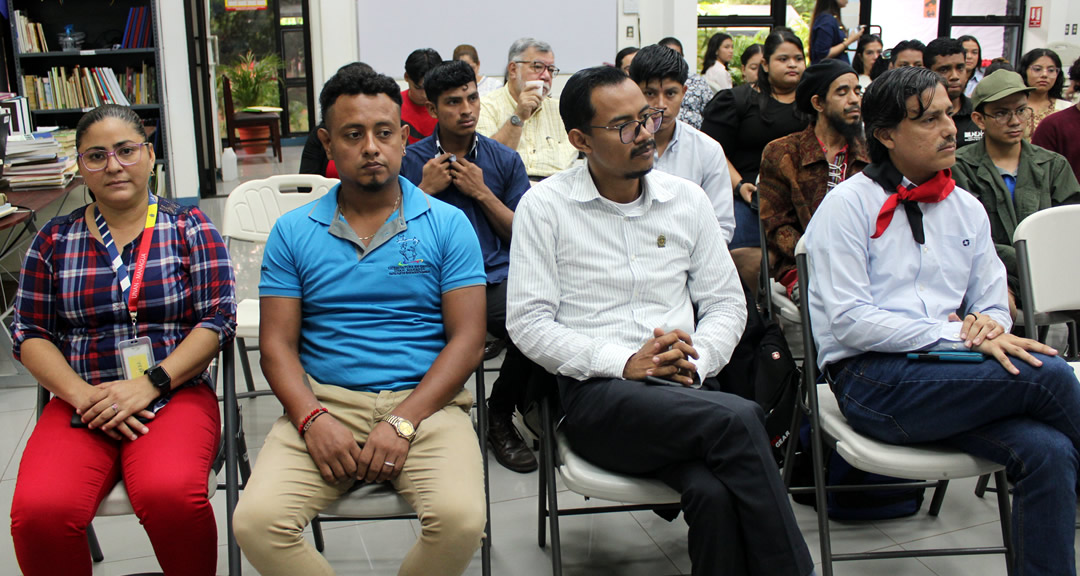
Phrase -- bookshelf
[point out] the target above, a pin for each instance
(120, 40)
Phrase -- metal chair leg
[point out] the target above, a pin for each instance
(245, 364)
(95, 548)
(316, 532)
(1005, 512)
(939, 497)
(482, 424)
(552, 495)
(541, 498)
(980, 486)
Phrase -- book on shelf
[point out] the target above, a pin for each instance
(31, 36)
(137, 29)
(83, 87)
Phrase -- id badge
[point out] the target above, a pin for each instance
(136, 356)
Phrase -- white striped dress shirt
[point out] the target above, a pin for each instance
(588, 283)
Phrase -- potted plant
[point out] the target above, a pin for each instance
(255, 81)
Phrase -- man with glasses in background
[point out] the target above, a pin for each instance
(1012, 177)
(646, 305)
(523, 115)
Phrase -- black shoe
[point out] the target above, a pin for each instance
(493, 348)
(506, 444)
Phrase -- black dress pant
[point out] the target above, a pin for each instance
(712, 448)
(509, 390)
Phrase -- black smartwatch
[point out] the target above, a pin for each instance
(160, 379)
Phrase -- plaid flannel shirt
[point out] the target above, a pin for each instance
(69, 294)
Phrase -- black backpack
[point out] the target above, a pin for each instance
(762, 369)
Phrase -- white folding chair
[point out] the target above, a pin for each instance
(590, 481)
(1048, 276)
(933, 464)
(250, 213)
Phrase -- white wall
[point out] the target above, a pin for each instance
(334, 34)
(1057, 15)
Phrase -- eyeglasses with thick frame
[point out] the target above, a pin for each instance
(538, 67)
(128, 154)
(1022, 114)
(650, 122)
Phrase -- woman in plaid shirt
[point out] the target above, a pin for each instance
(122, 304)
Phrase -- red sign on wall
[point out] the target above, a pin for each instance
(1035, 20)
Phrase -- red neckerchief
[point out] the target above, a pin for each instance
(932, 191)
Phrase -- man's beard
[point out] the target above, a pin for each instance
(851, 131)
(650, 144)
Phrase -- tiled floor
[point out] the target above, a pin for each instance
(624, 544)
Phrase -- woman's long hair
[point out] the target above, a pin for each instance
(711, 50)
(858, 64)
(1029, 59)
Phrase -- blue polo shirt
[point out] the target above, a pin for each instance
(504, 175)
(371, 317)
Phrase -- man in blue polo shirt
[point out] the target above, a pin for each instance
(485, 179)
(372, 302)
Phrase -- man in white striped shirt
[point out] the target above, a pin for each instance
(619, 275)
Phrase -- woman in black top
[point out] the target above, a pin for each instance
(743, 120)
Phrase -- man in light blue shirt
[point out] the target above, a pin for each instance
(371, 305)
(903, 261)
(681, 149)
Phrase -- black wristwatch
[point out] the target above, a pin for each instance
(160, 379)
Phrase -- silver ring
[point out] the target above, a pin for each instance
(116, 409)
(390, 464)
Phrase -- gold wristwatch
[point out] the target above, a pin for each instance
(403, 427)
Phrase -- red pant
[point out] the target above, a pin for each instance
(66, 472)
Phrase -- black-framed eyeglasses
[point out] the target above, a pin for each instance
(538, 67)
(97, 159)
(629, 130)
(1022, 114)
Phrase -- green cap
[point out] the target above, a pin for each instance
(996, 86)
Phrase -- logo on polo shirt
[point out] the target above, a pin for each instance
(409, 263)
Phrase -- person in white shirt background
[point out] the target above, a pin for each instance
(618, 274)
(718, 55)
(681, 149)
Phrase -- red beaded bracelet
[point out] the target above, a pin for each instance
(303, 427)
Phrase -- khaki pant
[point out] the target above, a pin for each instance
(442, 479)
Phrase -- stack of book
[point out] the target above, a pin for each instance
(79, 87)
(31, 37)
(137, 31)
(36, 161)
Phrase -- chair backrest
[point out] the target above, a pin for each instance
(1048, 275)
(802, 264)
(254, 206)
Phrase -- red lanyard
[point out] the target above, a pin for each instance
(130, 286)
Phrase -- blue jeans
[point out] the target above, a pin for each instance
(1030, 423)
(746, 226)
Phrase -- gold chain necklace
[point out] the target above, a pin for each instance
(397, 202)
